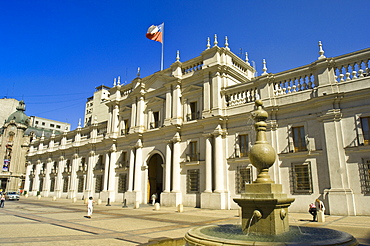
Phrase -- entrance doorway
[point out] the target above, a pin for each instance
(155, 177)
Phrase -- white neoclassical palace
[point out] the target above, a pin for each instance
(184, 134)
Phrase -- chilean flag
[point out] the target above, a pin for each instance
(155, 33)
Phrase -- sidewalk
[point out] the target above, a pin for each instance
(61, 222)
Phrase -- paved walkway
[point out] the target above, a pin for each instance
(46, 222)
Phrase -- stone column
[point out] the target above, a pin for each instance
(216, 96)
(140, 114)
(59, 178)
(208, 164)
(115, 121)
(90, 174)
(138, 164)
(27, 180)
(219, 161)
(168, 114)
(176, 163)
(49, 166)
(167, 181)
(339, 191)
(36, 180)
(206, 96)
(106, 172)
(133, 118)
(131, 170)
(176, 110)
(73, 176)
(112, 173)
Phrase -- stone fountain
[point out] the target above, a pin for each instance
(264, 208)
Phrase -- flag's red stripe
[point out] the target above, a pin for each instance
(155, 36)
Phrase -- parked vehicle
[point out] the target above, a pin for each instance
(12, 195)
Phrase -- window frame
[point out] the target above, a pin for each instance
(240, 180)
(193, 181)
(295, 180)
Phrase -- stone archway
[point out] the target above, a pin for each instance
(155, 177)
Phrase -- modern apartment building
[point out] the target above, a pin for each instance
(184, 133)
(96, 108)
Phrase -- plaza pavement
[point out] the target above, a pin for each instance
(62, 222)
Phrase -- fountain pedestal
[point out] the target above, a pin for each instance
(264, 209)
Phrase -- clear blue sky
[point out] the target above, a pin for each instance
(54, 53)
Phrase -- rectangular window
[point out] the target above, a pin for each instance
(99, 183)
(193, 180)
(243, 177)
(41, 184)
(156, 119)
(80, 184)
(58, 126)
(193, 111)
(43, 123)
(65, 184)
(193, 151)
(364, 169)
(126, 128)
(299, 139)
(122, 183)
(365, 124)
(52, 125)
(52, 184)
(243, 145)
(301, 178)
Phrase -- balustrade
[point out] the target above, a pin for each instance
(242, 97)
(192, 68)
(352, 70)
(297, 83)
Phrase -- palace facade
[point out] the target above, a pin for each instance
(184, 134)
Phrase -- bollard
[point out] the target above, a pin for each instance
(38, 197)
(137, 204)
(54, 198)
(26, 196)
(157, 206)
(99, 201)
(108, 203)
(124, 204)
(180, 208)
(74, 199)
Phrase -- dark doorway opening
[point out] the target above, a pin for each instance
(155, 177)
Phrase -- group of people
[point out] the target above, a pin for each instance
(313, 209)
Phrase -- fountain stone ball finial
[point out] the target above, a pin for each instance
(262, 155)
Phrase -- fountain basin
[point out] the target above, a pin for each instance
(217, 235)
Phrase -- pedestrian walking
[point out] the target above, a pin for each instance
(90, 206)
(2, 201)
(313, 211)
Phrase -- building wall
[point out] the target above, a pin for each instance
(7, 107)
(42, 123)
(193, 122)
(95, 108)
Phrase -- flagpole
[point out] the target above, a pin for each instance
(162, 47)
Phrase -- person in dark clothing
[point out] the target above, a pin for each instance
(313, 211)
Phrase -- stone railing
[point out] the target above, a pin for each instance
(192, 65)
(245, 95)
(352, 66)
(294, 80)
(126, 90)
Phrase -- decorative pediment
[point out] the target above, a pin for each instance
(155, 100)
(192, 89)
